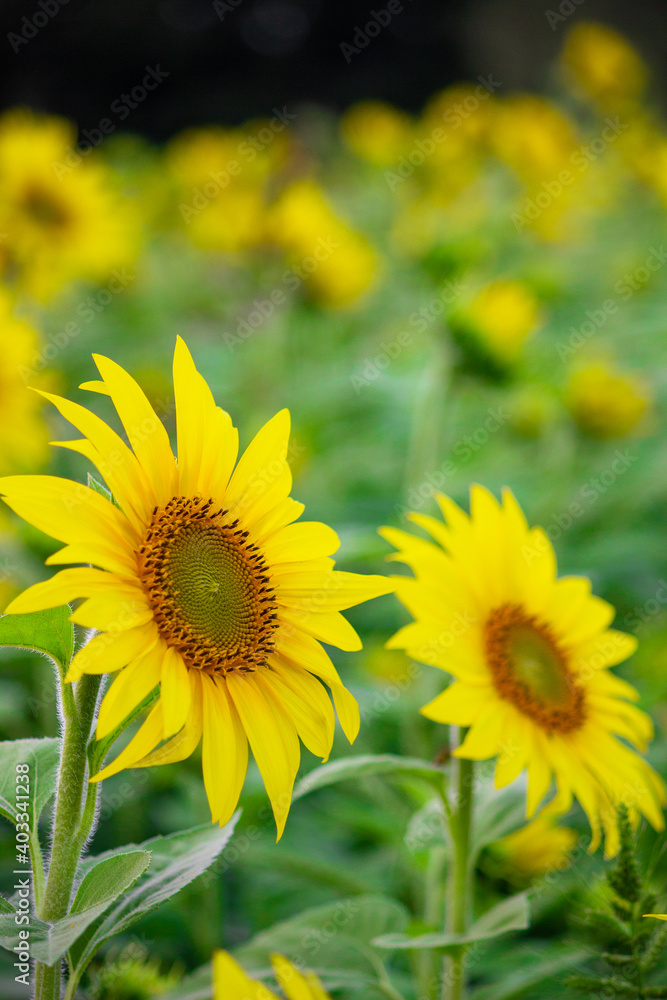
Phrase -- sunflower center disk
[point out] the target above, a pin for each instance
(208, 587)
(530, 670)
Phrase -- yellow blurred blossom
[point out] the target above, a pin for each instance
(222, 178)
(60, 217)
(376, 132)
(500, 318)
(23, 433)
(605, 402)
(539, 847)
(335, 263)
(603, 65)
(534, 137)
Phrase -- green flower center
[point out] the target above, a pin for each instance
(530, 669)
(208, 586)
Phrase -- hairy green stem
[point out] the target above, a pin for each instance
(74, 815)
(459, 882)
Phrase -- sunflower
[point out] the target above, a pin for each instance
(231, 983)
(199, 581)
(530, 654)
(60, 216)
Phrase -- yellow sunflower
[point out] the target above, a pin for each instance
(530, 654)
(231, 983)
(198, 580)
(59, 214)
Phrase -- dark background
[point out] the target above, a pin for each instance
(239, 63)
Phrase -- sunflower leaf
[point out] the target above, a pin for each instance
(498, 812)
(42, 757)
(176, 860)
(512, 914)
(103, 884)
(5, 906)
(367, 766)
(49, 632)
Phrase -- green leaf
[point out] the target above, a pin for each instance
(329, 938)
(49, 632)
(512, 914)
(95, 484)
(42, 756)
(9, 931)
(530, 969)
(498, 812)
(176, 861)
(6, 906)
(109, 878)
(366, 766)
(103, 884)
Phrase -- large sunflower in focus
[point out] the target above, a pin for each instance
(201, 582)
(530, 655)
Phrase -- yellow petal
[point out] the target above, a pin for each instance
(145, 739)
(282, 514)
(483, 739)
(273, 740)
(174, 692)
(262, 478)
(207, 442)
(67, 510)
(307, 703)
(63, 588)
(119, 467)
(117, 560)
(123, 608)
(145, 431)
(327, 626)
(182, 745)
(109, 651)
(334, 591)
(231, 983)
(305, 651)
(295, 542)
(128, 690)
(224, 750)
(293, 983)
(459, 704)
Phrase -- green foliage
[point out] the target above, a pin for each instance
(630, 943)
(512, 914)
(41, 756)
(49, 632)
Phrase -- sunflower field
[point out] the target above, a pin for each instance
(428, 346)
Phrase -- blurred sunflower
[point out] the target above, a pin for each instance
(498, 321)
(376, 132)
(231, 983)
(605, 402)
(539, 847)
(529, 653)
(205, 586)
(23, 433)
(603, 65)
(59, 214)
(336, 264)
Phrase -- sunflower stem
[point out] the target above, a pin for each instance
(459, 881)
(74, 815)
